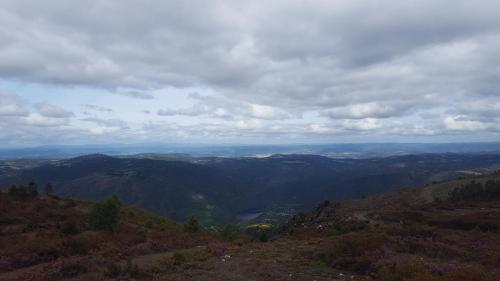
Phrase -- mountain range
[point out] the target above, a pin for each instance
(217, 189)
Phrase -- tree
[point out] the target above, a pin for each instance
(32, 190)
(192, 225)
(48, 189)
(13, 191)
(23, 192)
(105, 215)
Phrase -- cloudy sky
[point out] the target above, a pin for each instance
(281, 71)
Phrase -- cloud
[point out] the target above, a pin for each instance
(97, 108)
(110, 123)
(106, 126)
(225, 108)
(188, 111)
(368, 110)
(36, 119)
(49, 110)
(137, 95)
(11, 105)
(460, 123)
(284, 67)
(295, 52)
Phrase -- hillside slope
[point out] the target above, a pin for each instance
(49, 238)
(448, 231)
(217, 189)
(453, 234)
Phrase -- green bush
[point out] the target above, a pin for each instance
(24, 192)
(229, 232)
(105, 215)
(154, 222)
(192, 225)
(48, 189)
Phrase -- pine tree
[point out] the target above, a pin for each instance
(48, 189)
(192, 225)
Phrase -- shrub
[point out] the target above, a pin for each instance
(105, 215)
(113, 270)
(153, 222)
(178, 258)
(229, 232)
(131, 269)
(192, 225)
(476, 191)
(72, 269)
(263, 237)
(69, 227)
(216, 248)
(80, 245)
(70, 203)
(48, 189)
(352, 252)
(24, 192)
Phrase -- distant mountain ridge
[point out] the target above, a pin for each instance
(217, 189)
(340, 150)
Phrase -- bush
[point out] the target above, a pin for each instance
(69, 227)
(48, 189)
(178, 258)
(229, 232)
(113, 270)
(24, 192)
(70, 203)
(476, 191)
(79, 246)
(192, 225)
(154, 222)
(105, 215)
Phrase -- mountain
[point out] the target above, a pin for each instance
(447, 231)
(50, 238)
(218, 189)
(340, 150)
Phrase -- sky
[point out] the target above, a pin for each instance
(253, 72)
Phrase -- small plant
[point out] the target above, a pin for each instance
(70, 203)
(113, 270)
(105, 215)
(178, 258)
(24, 192)
(229, 232)
(69, 227)
(263, 236)
(192, 225)
(131, 269)
(48, 189)
(153, 222)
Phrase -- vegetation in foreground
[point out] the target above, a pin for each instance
(447, 232)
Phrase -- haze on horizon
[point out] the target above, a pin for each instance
(85, 72)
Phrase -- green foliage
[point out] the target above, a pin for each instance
(105, 215)
(154, 222)
(178, 258)
(346, 227)
(24, 192)
(263, 236)
(229, 232)
(48, 189)
(192, 225)
(476, 191)
(70, 203)
(334, 231)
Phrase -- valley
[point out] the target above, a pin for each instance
(446, 231)
(217, 189)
